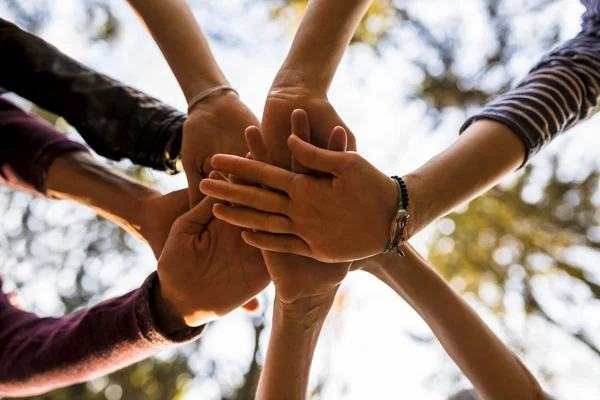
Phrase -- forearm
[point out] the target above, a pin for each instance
(493, 369)
(77, 176)
(182, 43)
(117, 121)
(324, 33)
(485, 153)
(292, 344)
(557, 94)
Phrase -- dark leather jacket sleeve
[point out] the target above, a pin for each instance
(115, 120)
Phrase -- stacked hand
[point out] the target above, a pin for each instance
(282, 100)
(297, 279)
(213, 126)
(316, 217)
(206, 270)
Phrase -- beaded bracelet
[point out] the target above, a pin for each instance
(400, 221)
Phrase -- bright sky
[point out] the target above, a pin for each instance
(367, 349)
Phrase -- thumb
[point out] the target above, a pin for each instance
(195, 220)
(300, 128)
(338, 140)
(315, 158)
(251, 306)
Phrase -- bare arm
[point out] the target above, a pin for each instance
(322, 38)
(217, 123)
(561, 91)
(304, 78)
(495, 372)
(485, 153)
(182, 43)
(294, 336)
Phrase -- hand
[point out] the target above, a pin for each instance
(157, 214)
(299, 280)
(343, 218)
(282, 100)
(214, 126)
(205, 269)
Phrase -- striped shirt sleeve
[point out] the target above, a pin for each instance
(558, 93)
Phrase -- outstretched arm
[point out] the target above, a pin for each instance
(495, 371)
(304, 78)
(116, 120)
(320, 42)
(216, 123)
(37, 158)
(559, 92)
(174, 29)
(304, 292)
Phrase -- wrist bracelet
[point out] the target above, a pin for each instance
(197, 99)
(400, 221)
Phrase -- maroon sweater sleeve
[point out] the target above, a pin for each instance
(41, 354)
(29, 146)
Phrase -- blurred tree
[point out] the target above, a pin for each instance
(500, 239)
(403, 25)
(150, 379)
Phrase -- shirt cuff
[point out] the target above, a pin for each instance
(147, 323)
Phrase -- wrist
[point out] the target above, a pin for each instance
(204, 81)
(389, 209)
(301, 80)
(309, 312)
(417, 208)
(167, 319)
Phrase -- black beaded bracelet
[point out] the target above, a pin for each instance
(400, 221)
(403, 190)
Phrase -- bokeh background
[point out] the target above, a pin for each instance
(525, 255)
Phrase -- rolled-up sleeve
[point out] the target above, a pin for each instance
(28, 147)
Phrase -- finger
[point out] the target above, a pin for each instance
(256, 144)
(277, 243)
(249, 196)
(195, 220)
(314, 157)
(300, 128)
(241, 181)
(338, 140)
(177, 205)
(255, 171)
(217, 176)
(251, 306)
(252, 219)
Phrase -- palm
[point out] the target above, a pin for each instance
(226, 271)
(296, 277)
(276, 126)
(157, 215)
(236, 269)
(212, 128)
